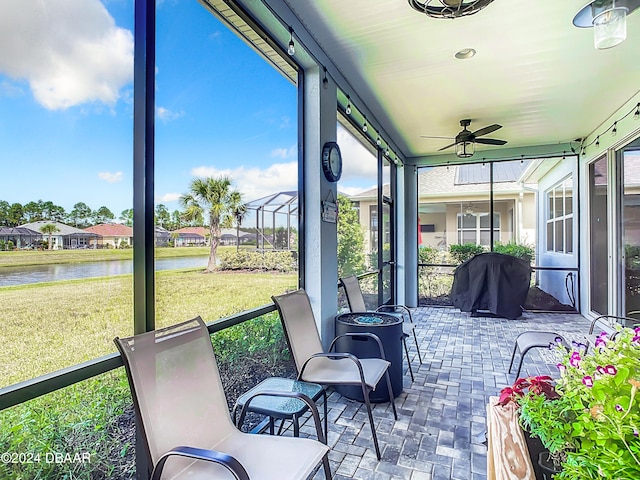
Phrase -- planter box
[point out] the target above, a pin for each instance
(508, 456)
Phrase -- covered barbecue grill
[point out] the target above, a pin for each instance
(492, 281)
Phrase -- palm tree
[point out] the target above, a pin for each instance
(49, 229)
(217, 199)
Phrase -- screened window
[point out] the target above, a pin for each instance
(559, 217)
(476, 228)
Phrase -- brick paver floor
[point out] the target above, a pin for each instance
(441, 426)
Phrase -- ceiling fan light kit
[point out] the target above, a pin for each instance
(608, 19)
(465, 141)
(448, 8)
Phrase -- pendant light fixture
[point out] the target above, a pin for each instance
(608, 19)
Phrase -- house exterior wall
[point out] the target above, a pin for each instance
(554, 282)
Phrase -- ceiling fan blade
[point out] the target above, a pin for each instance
(487, 130)
(448, 146)
(431, 136)
(490, 141)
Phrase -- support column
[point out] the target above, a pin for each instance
(321, 238)
(411, 235)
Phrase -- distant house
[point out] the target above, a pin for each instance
(66, 236)
(112, 235)
(20, 237)
(232, 236)
(190, 236)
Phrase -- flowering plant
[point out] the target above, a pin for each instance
(592, 425)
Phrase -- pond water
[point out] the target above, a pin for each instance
(11, 276)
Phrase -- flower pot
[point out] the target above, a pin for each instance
(548, 468)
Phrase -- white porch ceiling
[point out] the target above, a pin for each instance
(534, 72)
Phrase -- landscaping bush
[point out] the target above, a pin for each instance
(524, 252)
(281, 261)
(462, 253)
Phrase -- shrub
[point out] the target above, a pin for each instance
(524, 252)
(462, 253)
(263, 335)
(281, 261)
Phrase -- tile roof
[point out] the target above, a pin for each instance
(111, 230)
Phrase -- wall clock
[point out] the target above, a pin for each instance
(331, 161)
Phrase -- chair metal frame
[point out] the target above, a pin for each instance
(230, 463)
(535, 339)
(366, 389)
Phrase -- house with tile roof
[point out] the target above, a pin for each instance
(111, 235)
(65, 236)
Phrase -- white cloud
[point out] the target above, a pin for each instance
(69, 51)
(357, 162)
(284, 153)
(167, 115)
(254, 182)
(168, 197)
(111, 177)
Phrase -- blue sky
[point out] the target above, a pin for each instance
(66, 92)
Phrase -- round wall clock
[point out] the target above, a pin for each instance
(331, 161)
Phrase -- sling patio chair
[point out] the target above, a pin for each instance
(333, 368)
(535, 339)
(355, 299)
(185, 421)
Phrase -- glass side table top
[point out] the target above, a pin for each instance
(281, 407)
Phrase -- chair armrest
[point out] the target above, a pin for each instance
(335, 356)
(395, 309)
(300, 396)
(610, 321)
(227, 461)
(373, 336)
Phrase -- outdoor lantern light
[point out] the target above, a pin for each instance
(292, 46)
(465, 149)
(608, 19)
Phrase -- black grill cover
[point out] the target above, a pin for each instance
(492, 281)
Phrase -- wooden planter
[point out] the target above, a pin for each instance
(508, 456)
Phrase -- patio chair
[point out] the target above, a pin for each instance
(335, 368)
(355, 299)
(184, 417)
(534, 339)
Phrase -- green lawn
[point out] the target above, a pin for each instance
(18, 258)
(46, 327)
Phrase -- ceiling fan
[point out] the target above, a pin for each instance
(465, 140)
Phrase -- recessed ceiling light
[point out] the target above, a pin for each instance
(465, 53)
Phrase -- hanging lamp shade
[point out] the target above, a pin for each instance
(608, 18)
(609, 26)
(465, 149)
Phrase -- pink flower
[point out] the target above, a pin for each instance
(600, 369)
(561, 367)
(601, 341)
(611, 370)
(574, 361)
(588, 381)
(619, 407)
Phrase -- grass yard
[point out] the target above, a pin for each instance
(46, 327)
(51, 326)
(18, 258)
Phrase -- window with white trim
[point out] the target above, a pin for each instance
(476, 228)
(559, 217)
